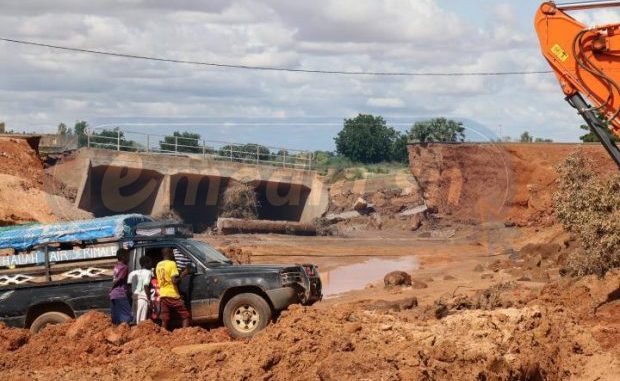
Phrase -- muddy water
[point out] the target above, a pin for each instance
(356, 276)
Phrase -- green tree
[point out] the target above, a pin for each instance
(63, 130)
(246, 152)
(437, 130)
(399, 152)
(80, 129)
(526, 137)
(181, 142)
(112, 139)
(591, 137)
(541, 140)
(366, 139)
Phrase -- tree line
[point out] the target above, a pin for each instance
(364, 139)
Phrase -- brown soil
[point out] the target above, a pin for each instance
(547, 335)
(26, 191)
(20, 160)
(496, 182)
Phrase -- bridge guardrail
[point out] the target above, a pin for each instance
(249, 153)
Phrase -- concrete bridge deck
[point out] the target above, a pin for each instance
(112, 182)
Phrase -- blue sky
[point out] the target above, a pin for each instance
(40, 87)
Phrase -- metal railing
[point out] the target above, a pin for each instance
(129, 141)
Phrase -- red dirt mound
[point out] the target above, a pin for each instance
(509, 336)
(18, 159)
(27, 194)
(92, 340)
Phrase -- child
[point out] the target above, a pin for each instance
(154, 294)
(140, 281)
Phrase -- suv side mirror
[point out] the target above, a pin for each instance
(192, 268)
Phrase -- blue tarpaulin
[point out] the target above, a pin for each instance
(25, 237)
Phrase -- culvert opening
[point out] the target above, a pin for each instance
(114, 190)
(195, 198)
(280, 201)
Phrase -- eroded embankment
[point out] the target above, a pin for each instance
(27, 194)
(495, 182)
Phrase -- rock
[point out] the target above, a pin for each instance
(418, 284)
(449, 277)
(386, 327)
(441, 311)
(360, 204)
(545, 250)
(397, 278)
(352, 328)
(479, 268)
(393, 306)
(413, 211)
(409, 303)
(416, 222)
(524, 279)
(334, 218)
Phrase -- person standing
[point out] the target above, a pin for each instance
(169, 297)
(140, 281)
(119, 293)
(185, 279)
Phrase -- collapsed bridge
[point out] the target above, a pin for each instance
(112, 182)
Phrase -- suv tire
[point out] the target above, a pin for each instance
(46, 319)
(246, 314)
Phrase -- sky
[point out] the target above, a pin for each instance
(41, 87)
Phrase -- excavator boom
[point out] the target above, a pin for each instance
(586, 62)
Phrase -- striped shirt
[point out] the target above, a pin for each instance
(181, 260)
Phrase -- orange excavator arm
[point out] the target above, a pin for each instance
(586, 61)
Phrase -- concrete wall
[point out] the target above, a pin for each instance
(119, 182)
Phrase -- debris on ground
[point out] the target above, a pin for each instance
(239, 201)
(239, 226)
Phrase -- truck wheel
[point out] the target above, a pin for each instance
(48, 318)
(246, 314)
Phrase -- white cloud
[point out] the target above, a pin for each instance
(41, 87)
(385, 102)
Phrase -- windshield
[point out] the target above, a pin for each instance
(205, 253)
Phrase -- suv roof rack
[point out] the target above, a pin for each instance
(162, 229)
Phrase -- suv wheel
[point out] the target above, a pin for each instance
(48, 318)
(246, 314)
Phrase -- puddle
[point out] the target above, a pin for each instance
(358, 275)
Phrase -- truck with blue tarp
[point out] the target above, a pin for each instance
(50, 273)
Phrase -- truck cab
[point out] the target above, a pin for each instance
(242, 297)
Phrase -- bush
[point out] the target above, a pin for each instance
(239, 201)
(181, 142)
(589, 207)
